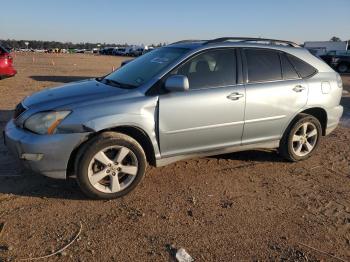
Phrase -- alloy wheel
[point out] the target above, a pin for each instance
(113, 169)
(304, 139)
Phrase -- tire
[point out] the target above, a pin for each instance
(297, 145)
(100, 176)
(343, 68)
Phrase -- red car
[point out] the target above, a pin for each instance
(6, 67)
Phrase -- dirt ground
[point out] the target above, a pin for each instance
(248, 206)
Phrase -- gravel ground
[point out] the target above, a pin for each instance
(248, 206)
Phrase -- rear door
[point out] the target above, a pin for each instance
(274, 93)
(208, 116)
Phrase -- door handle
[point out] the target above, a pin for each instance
(298, 88)
(235, 96)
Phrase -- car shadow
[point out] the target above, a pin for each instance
(259, 155)
(59, 79)
(345, 102)
(29, 184)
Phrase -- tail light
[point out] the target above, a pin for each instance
(339, 81)
(8, 59)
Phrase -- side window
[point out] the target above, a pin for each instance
(210, 69)
(263, 65)
(288, 69)
(303, 68)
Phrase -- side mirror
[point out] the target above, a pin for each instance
(125, 62)
(177, 83)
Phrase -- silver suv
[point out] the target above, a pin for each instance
(188, 99)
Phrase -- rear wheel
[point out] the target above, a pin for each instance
(343, 68)
(301, 139)
(111, 165)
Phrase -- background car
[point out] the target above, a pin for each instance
(339, 60)
(125, 51)
(107, 51)
(137, 51)
(6, 63)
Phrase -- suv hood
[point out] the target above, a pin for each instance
(73, 93)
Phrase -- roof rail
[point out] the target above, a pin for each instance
(251, 39)
(188, 41)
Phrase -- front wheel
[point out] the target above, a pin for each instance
(111, 165)
(301, 138)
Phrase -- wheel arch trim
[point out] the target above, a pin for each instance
(319, 112)
(138, 133)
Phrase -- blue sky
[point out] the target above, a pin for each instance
(137, 22)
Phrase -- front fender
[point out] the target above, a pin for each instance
(144, 122)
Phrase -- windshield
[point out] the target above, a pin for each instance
(142, 69)
(3, 50)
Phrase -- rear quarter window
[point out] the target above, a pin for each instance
(288, 69)
(303, 68)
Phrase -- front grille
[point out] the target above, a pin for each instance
(19, 110)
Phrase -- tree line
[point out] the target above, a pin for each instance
(38, 44)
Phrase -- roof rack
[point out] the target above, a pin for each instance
(188, 41)
(251, 39)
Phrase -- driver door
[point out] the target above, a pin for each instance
(210, 115)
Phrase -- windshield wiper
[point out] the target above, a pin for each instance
(117, 84)
(110, 82)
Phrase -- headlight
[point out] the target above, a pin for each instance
(45, 123)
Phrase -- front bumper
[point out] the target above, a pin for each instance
(52, 151)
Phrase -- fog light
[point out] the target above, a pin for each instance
(32, 157)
